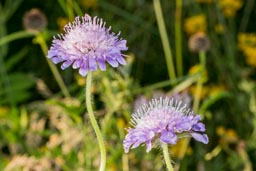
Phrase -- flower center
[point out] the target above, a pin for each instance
(85, 47)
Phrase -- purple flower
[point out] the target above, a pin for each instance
(166, 120)
(87, 44)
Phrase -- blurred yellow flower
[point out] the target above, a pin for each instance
(204, 1)
(4, 110)
(208, 91)
(247, 44)
(204, 91)
(61, 21)
(89, 3)
(216, 90)
(250, 55)
(196, 70)
(219, 28)
(80, 80)
(220, 130)
(177, 151)
(246, 40)
(121, 123)
(195, 24)
(230, 7)
(227, 136)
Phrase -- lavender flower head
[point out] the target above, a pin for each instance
(87, 44)
(166, 120)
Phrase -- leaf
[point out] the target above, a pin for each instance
(18, 87)
(212, 99)
(13, 60)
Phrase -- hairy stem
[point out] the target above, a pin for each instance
(167, 158)
(94, 122)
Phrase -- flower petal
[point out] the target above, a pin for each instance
(121, 60)
(77, 64)
(200, 137)
(83, 70)
(92, 64)
(122, 45)
(199, 127)
(149, 145)
(66, 64)
(168, 137)
(56, 59)
(102, 64)
(112, 62)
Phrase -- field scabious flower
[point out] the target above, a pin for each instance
(87, 44)
(199, 42)
(166, 120)
(34, 20)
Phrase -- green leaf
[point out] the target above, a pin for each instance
(13, 60)
(212, 99)
(19, 84)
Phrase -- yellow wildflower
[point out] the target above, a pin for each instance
(89, 3)
(216, 90)
(220, 130)
(204, 91)
(247, 43)
(230, 7)
(4, 110)
(196, 70)
(250, 55)
(177, 149)
(80, 80)
(219, 28)
(61, 21)
(246, 40)
(195, 24)
(227, 136)
(204, 1)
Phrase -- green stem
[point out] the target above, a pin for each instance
(70, 9)
(202, 58)
(164, 38)
(167, 157)
(178, 37)
(199, 85)
(125, 163)
(196, 103)
(40, 40)
(94, 122)
(15, 36)
(247, 12)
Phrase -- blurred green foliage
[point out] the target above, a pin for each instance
(41, 129)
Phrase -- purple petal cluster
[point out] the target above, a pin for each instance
(87, 45)
(166, 120)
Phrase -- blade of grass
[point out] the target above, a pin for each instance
(164, 38)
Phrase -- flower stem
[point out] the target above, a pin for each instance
(164, 38)
(40, 40)
(178, 37)
(15, 36)
(199, 85)
(167, 157)
(94, 122)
